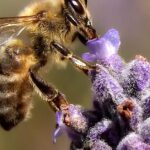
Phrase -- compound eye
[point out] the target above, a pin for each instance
(77, 6)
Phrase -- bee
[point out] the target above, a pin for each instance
(51, 26)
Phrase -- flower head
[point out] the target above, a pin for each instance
(120, 116)
(78, 123)
(103, 47)
(104, 51)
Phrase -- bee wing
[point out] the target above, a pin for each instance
(12, 27)
(9, 33)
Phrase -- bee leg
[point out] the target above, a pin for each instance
(56, 100)
(75, 60)
(82, 39)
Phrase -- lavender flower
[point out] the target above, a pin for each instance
(144, 130)
(96, 131)
(104, 51)
(99, 145)
(120, 116)
(78, 123)
(145, 103)
(136, 77)
(103, 48)
(133, 142)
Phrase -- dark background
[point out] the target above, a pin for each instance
(130, 17)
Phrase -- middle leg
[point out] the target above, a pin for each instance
(56, 100)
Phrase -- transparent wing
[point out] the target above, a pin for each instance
(9, 33)
(12, 27)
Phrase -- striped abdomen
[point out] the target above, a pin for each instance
(15, 101)
(15, 89)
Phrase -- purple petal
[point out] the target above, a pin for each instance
(89, 57)
(113, 36)
(145, 131)
(61, 127)
(95, 132)
(100, 145)
(137, 114)
(133, 142)
(77, 120)
(59, 117)
(136, 77)
(105, 87)
(93, 45)
(78, 123)
(58, 132)
(146, 104)
(104, 47)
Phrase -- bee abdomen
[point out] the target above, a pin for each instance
(15, 102)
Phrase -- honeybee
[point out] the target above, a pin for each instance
(52, 25)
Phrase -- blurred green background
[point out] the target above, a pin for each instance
(130, 17)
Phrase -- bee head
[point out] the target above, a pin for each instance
(77, 13)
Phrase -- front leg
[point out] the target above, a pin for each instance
(75, 60)
(56, 100)
(82, 38)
